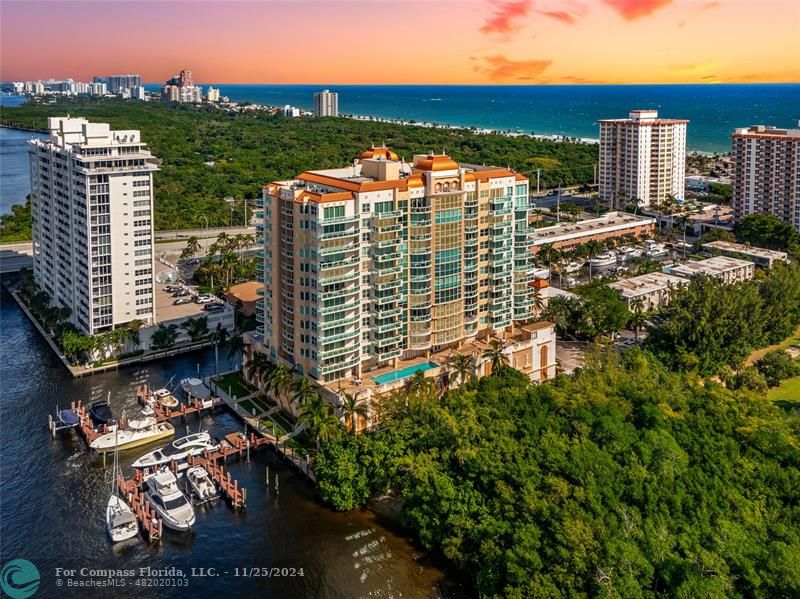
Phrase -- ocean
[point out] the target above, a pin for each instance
(568, 110)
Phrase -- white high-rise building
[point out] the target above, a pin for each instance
(642, 159)
(92, 224)
(212, 95)
(326, 103)
(766, 173)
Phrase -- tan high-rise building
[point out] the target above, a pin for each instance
(326, 103)
(384, 261)
(642, 159)
(766, 173)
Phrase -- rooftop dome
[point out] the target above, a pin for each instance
(379, 153)
(436, 162)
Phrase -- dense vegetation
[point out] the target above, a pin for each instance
(250, 150)
(16, 225)
(708, 324)
(624, 480)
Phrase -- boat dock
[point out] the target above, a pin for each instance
(131, 490)
(183, 410)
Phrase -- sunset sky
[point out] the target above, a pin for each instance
(405, 41)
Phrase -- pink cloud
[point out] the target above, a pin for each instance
(506, 16)
(635, 9)
(499, 68)
(560, 15)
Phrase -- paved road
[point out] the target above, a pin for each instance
(14, 260)
(203, 232)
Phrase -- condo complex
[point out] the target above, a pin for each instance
(385, 266)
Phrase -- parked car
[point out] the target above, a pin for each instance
(181, 293)
(193, 262)
(172, 288)
(213, 307)
(204, 299)
(181, 301)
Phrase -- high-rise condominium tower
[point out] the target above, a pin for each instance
(766, 173)
(382, 260)
(642, 159)
(92, 205)
(326, 103)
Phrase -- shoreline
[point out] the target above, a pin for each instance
(474, 129)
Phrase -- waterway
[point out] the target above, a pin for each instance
(53, 495)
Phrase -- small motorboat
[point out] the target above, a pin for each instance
(139, 431)
(161, 489)
(100, 413)
(203, 488)
(177, 451)
(603, 259)
(164, 397)
(66, 418)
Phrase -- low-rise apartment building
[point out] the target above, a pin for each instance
(760, 256)
(727, 269)
(568, 236)
(650, 291)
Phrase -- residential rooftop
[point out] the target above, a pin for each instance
(747, 250)
(646, 284)
(710, 266)
(768, 132)
(611, 221)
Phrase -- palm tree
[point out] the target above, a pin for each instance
(494, 353)
(196, 327)
(548, 254)
(462, 366)
(259, 369)
(321, 425)
(192, 248)
(638, 317)
(683, 222)
(557, 312)
(304, 390)
(281, 380)
(538, 302)
(228, 263)
(234, 345)
(351, 408)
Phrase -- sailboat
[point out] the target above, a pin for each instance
(120, 519)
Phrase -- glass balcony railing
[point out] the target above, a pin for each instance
(328, 367)
(341, 321)
(340, 307)
(339, 234)
(353, 275)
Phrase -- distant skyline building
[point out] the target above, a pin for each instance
(118, 83)
(92, 225)
(181, 88)
(212, 95)
(326, 103)
(766, 173)
(642, 159)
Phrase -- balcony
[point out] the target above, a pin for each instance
(354, 275)
(342, 220)
(339, 234)
(387, 257)
(342, 263)
(385, 328)
(393, 284)
(349, 290)
(339, 351)
(260, 317)
(388, 355)
(391, 313)
(340, 307)
(340, 322)
(337, 249)
(341, 365)
(349, 334)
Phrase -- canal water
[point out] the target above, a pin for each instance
(53, 496)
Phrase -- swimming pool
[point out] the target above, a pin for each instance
(403, 373)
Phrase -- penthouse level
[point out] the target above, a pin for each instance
(568, 236)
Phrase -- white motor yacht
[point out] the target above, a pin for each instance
(571, 267)
(177, 451)
(603, 259)
(161, 489)
(653, 250)
(139, 431)
(201, 484)
(165, 398)
(627, 252)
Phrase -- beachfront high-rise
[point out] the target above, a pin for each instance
(766, 173)
(642, 159)
(326, 103)
(385, 260)
(92, 225)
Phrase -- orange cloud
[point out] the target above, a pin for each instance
(506, 17)
(560, 15)
(501, 69)
(700, 10)
(635, 9)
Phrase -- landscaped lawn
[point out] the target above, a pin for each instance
(786, 343)
(787, 394)
(233, 384)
